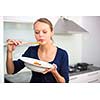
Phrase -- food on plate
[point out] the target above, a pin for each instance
(36, 63)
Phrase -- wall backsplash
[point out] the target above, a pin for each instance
(20, 31)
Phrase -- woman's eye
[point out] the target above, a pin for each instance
(44, 31)
(36, 32)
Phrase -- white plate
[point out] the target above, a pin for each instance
(36, 65)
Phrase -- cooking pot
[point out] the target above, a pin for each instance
(72, 69)
(81, 66)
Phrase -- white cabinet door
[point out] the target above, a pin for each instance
(99, 77)
(94, 77)
(82, 78)
(18, 18)
(29, 19)
(91, 77)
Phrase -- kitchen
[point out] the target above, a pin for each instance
(81, 45)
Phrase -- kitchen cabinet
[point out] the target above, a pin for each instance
(23, 19)
(21, 27)
(18, 27)
(19, 31)
(29, 19)
(90, 77)
(99, 77)
(94, 77)
(78, 78)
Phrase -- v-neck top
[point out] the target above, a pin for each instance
(61, 60)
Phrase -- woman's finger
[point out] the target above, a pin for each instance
(14, 42)
(55, 65)
(46, 70)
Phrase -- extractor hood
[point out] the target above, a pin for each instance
(65, 26)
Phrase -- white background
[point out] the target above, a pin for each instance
(48, 91)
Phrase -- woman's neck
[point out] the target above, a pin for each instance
(46, 47)
(47, 52)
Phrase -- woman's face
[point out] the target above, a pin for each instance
(43, 32)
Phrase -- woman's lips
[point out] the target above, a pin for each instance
(41, 40)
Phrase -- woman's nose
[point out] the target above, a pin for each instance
(41, 33)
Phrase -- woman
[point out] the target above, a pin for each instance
(46, 51)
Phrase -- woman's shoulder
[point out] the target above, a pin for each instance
(60, 50)
(61, 54)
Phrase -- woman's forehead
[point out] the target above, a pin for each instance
(41, 25)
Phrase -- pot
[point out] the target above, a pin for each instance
(81, 66)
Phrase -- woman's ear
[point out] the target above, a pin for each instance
(52, 33)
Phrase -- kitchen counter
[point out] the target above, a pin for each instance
(90, 69)
(24, 77)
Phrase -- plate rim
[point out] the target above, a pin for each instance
(49, 65)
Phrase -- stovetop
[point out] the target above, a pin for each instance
(89, 69)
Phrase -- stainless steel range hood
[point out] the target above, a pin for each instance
(65, 26)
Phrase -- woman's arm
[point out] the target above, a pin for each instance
(57, 76)
(9, 63)
(55, 73)
(11, 44)
(63, 75)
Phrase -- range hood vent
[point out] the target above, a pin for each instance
(65, 26)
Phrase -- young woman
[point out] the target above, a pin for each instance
(46, 51)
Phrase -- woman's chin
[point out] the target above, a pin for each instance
(43, 43)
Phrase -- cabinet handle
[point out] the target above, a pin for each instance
(93, 74)
(73, 78)
(93, 81)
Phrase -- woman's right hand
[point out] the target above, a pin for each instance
(11, 44)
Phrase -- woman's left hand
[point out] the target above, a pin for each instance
(57, 76)
(52, 70)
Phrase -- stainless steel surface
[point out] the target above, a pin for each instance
(65, 26)
(90, 69)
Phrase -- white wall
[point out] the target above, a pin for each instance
(91, 41)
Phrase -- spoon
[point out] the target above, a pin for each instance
(24, 43)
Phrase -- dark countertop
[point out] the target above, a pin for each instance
(24, 77)
(90, 69)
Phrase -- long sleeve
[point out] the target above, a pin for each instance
(18, 64)
(65, 66)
